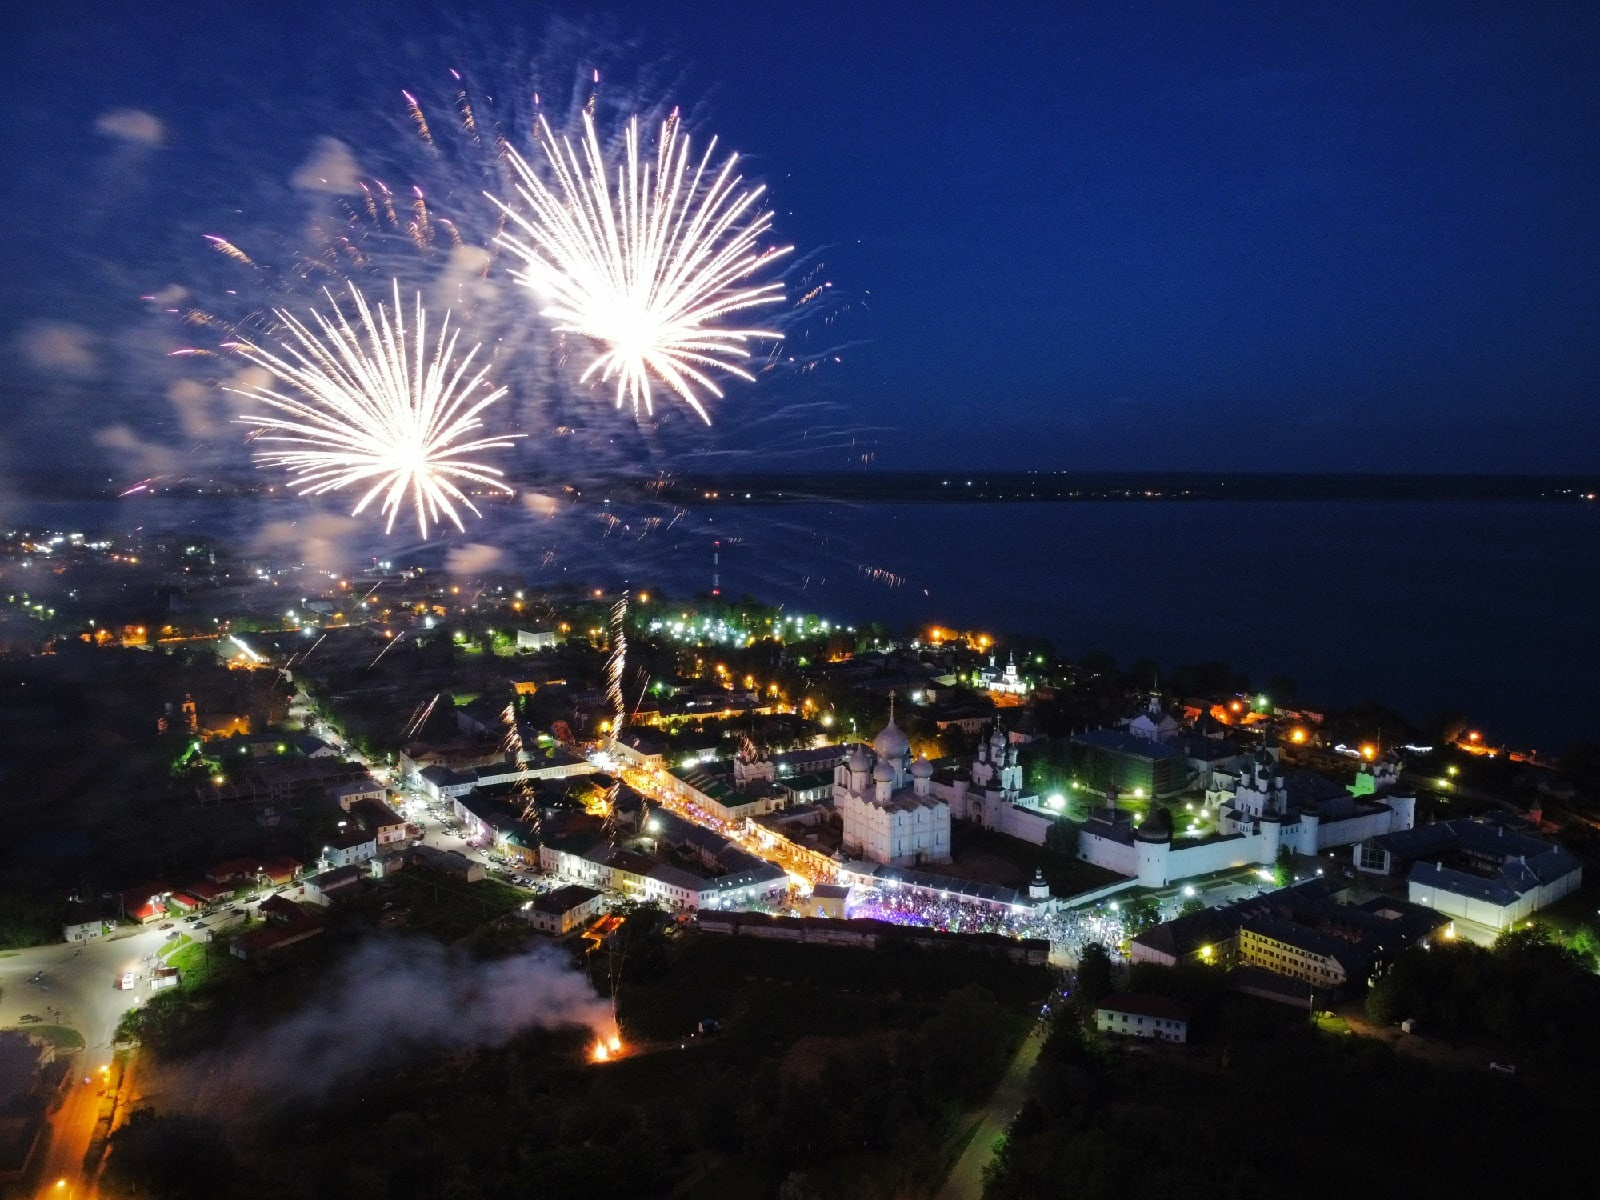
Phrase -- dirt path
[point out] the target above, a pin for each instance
(965, 1181)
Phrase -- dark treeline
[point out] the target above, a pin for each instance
(1263, 1103)
(1529, 993)
(832, 1072)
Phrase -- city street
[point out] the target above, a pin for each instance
(76, 989)
(771, 848)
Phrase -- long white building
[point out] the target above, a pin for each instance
(1475, 868)
(1261, 811)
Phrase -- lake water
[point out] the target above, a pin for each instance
(1485, 607)
(1425, 606)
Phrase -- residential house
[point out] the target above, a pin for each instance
(1132, 1014)
(351, 844)
(563, 910)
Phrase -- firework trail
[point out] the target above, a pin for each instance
(649, 269)
(306, 656)
(415, 110)
(378, 412)
(615, 665)
(224, 246)
(421, 228)
(419, 718)
(393, 642)
(512, 745)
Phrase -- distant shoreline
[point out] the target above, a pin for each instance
(937, 487)
(1003, 487)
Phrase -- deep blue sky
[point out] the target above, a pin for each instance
(1166, 235)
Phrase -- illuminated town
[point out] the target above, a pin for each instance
(468, 758)
(894, 601)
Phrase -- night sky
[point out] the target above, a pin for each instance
(1172, 236)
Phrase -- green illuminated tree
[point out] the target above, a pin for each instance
(1283, 869)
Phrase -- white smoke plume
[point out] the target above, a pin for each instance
(395, 995)
(131, 125)
(472, 559)
(59, 348)
(324, 540)
(135, 454)
(166, 297)
(330, 168)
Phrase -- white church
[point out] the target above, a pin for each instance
(890, 812)
(990, 793)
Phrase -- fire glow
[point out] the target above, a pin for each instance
(605, 1049)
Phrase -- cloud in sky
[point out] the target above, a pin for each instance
(330, 168)
(59, 348)
(132, 125)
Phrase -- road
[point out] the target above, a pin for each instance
(771, 847)
(79, 984)
(965, 1181)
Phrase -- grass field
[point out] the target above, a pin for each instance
(983, 854)
(450, 909)
(59, 1036)
(203, 962)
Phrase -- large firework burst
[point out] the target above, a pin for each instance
(647, 268)
(376, 410)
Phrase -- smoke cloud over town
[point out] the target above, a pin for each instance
(397, 994)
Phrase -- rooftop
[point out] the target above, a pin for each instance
(1131, 745)
(1140, 1004)
(564, 899)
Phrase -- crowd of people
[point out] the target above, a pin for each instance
(1067, 930)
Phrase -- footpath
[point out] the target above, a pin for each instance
(965, 1181)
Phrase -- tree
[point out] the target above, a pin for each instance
(795, 1187)
(1141, 914)
(964, 1045)
(1189, 907)
(1094, 975)
(1585, 944)
(1061, 838)
(1098, 662)
(1283, 869)
(170, 1156)
(1281, 687)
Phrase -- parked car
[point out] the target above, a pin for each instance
(238, 912)
(165, 925)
